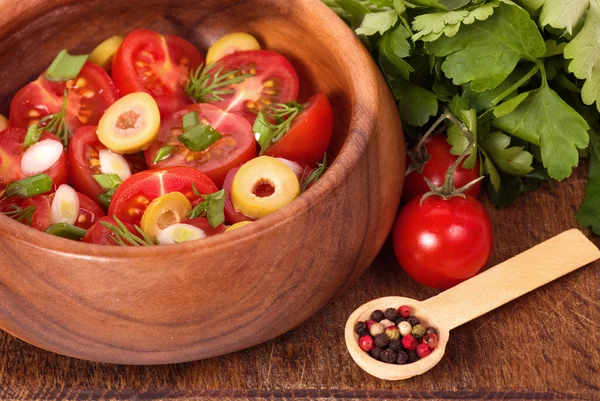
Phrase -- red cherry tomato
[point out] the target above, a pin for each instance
(100, 235)
(443, 242)
(159, 65)
(274, 81)
(309, 135)
(41, 217)
(88, 97)
(11, 152)
(202, 223)
(134, 195)
(236, 147)
(435, 170)
(231, 215)
(84, 162)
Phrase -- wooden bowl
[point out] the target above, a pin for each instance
(229, 292)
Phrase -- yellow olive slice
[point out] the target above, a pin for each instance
(130, 124)
(103, 54)
(248, 193)
(238, 225)
(3, 123)
(165, 211)
(231, 43)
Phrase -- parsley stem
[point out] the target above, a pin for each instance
(524, 79)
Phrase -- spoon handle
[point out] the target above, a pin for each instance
(513, 278)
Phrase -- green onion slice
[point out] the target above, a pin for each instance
(65, 230)
(30, 186)
(65, 67)
(212, 207)
(263, 133)
(108, 181)
(164, 153)
(190, 120)
(200, 137)
(106, 197)
(34, 133)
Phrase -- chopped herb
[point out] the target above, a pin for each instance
(30, 186)
(164, 153)
(34, 133)
(65, 67)
(53, 123)
(106, 197)
(108, 181)
(274, 122)
(65, 230)
(199, 137)
(122, 236)
(21, 215)
(314, 175)
(190, 120)
(207, 84)
(212, 207)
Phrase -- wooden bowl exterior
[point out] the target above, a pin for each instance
(198, 300)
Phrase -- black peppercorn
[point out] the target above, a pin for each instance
(361, 329)
(389, 356)
(399, 320)
(377, 316)
(395, 345)
(382, 340)
(376, 353)
(431, 330)
(390, 314)
(412, 356)
(413, 321)
(402, 358)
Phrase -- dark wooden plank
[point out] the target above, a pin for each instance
(542, 346)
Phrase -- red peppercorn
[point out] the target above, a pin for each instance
(370, 323)
(404, 311)
(366, 343)
(409, 342)
(423, 350)
(431, 340)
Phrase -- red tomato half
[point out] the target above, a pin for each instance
(310, 133)
(236, 147)
(41, 217)
(84, 162)
(100, 235)
(435, 170)
(159, 65)
(11, 152)
(231, 215)
(274, 81)
(202, 223)
(134, 195)
(88, 97)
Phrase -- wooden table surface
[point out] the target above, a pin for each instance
(544, 345)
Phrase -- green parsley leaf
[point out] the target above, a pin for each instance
(589, 213)
(585, 55)
(486, 52)
(212, 207)
(563, 14)
(460, 108)
(353, 10)
(454, 4)
(544, 119)
(416, 104)
(393, 49)
(65, 67)
(553, 48)
(510, 160)
(199, 137)
(428, 3)
(510, 105)
(379, 22)
(490, 170)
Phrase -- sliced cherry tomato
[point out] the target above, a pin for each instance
(158, 65)
(274, 80)
(231, 215)
(41, 217)
(440, 242)
(88, 97)
(309, 135)
(202, 223)
(100, 235)
(236, 147)
(84, 162)
(11, 153)
(135, 194)
(435, 170)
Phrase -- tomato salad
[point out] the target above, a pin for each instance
(145, 142)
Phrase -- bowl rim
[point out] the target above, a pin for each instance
(352, 150)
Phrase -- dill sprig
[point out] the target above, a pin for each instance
(208, 83)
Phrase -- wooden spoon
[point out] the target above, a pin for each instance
(485, 292)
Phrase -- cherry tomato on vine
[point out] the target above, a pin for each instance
(435, 170)
(443, 242)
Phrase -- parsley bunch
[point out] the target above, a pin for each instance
(523, 76)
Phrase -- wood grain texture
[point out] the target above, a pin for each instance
(542, 346)
(229, 292)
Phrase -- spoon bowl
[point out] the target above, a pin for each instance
(483, 293)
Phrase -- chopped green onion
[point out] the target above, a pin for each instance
(30, 186)
(108, 181)
(65, 230)
(274, 122)
(65, 67)
(106, 197)
(212, 207)
(190, 120)
(263, 133)
(21, 215)
(164, 153)
(34, 133)
(199, 137)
